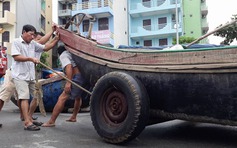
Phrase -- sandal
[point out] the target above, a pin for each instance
(37, 123)
(33, 118)
(32, 127)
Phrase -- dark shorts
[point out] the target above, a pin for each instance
(76, 91)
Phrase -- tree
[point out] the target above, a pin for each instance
(43, 59)
(183, 40)
(229, 33)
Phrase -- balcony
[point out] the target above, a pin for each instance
(204, 9)
(64, 13)
(155, 30)
(153, 7)
(102, 8)
(67, 1)
(8, 19)
(205, 26)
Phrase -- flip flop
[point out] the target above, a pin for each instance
(31, 127)
(37, 123)
(33, 118)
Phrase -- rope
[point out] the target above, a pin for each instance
(38, 94)
(66, 78)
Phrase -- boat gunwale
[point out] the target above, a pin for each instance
(163, 68)
(145, 50)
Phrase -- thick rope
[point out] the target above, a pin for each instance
(39, 95)
(66, 78)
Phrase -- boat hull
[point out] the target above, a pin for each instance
(209, 96)
(133, 88)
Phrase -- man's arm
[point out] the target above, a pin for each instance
(52, 43)
(22, 58)
(45, 38)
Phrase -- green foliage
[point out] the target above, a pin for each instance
(229, 33)
(43, 59)
(183, 40)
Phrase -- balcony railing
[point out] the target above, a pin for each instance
(151, 4)
(67, 1)
(8, 18)
(90, 5)
(152, 28)
(65, 12)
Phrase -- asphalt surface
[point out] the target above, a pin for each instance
(81, 134)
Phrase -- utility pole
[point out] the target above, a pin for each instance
(177, 22)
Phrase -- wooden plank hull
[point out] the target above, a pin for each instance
(204, 95)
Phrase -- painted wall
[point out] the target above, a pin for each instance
(121, 32)
(192, 18)
(27, 12)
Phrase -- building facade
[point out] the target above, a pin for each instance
(14, 14)
(138, 22)
(195, 18)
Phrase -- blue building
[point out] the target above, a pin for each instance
(129, 22)
(153, 22)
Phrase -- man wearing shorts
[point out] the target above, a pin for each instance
(8, 88)
(24, 52)
(72, 72)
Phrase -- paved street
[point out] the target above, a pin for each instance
(172, 134)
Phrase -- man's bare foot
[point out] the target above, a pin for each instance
(71, 120)
(47, 124)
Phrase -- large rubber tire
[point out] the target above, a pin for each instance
(119, 107)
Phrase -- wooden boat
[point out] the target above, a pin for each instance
(133, 88)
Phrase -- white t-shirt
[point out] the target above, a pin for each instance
(66, 58)
(25, 70)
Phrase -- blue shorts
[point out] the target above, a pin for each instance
(76, 91)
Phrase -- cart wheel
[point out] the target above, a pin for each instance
(119, 107)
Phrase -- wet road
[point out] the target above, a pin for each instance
(172, 134)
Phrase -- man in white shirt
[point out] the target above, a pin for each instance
(24, 52)
(8, 89)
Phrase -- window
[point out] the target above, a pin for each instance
(148, 43)
(85, 4)
(103, 23)
(204, 16)
(42, 22)
(147, 24)
(163, 42)
(162, 22)
(146, 3)
(85, 25)
(173, 17)
(64, 21)
(6, 36)
(6, 6)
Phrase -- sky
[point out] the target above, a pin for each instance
(219, 12)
